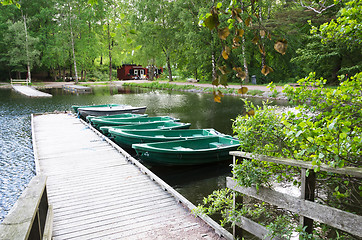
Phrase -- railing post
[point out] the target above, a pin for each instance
(234, 233)
(307, 193)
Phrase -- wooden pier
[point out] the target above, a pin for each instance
(29, 91)
(77, 89)
(98, 191)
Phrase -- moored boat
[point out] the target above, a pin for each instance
(166, 125)
(75, 107)
(109, 110)
(125, 138)
(130, 121)
(187, 152)
(123, 115)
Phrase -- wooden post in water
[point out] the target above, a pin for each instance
(307, 193)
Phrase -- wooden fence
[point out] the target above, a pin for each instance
(304, 206)
(31, 217)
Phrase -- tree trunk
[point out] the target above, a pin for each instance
(109, 52)
(246, 68)
(335, 70)
(168, 61)
(213, 63)
(73, 48)
(263, 61)
(27, 49)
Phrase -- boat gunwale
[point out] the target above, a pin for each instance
(147, 147)
(123, 133)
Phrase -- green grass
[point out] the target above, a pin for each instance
(255, 92)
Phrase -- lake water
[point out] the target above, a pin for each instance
(16, 154)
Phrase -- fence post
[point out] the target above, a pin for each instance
(307, 193)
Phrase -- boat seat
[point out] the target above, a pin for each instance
(197, 135)
(216, 144)
(182, 148)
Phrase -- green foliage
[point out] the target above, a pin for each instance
(332, 134)
(325, 128)
(21, 52)
(347, 28)
(255, 92)
(280, 227)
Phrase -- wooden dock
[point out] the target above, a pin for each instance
(77, 89)
(29, 91)
(98, 191)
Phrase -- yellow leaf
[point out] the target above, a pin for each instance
(225, 55)
(226, 52)
(269, 36)
(266, 70)
(239, 32)
(217, 96)
(223, 33)
(255, 40)
(251, 112)
(248, 21)
(216, 82)
(261, 49)
(281, 46)
(240, 73)
(262, 33)
(236, 43)
(223, 69)
(243, 90)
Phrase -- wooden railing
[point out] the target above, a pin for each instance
(305, 205)
(19, 81)
(31, 217)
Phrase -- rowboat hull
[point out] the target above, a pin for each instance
(123, 116)
(106, 111)
(75, 107)
(125, 138)
(134, 121)
(187, 152)
(165, 125)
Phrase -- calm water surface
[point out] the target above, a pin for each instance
(16, 155)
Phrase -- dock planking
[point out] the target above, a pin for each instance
(29, 91)
(99, 192)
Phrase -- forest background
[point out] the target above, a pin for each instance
(90, 39)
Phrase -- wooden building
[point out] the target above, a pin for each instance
(133, 71)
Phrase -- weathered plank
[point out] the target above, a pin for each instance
(331, 216)
(352, 171)
(98, 191)
(18, 223)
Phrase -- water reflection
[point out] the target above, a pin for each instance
(16, 155)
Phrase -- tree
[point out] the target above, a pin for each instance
(19, 43)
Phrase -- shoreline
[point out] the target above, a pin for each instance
(265, 95)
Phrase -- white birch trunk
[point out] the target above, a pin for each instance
(27, 50)
(73, 48)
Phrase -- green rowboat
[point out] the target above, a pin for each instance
(125, 138)
(109, 110)
(187, 152)
(75, 107)
(122, 121)
(148, 126)
(123, 115)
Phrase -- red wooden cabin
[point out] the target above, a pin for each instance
(133, 71)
